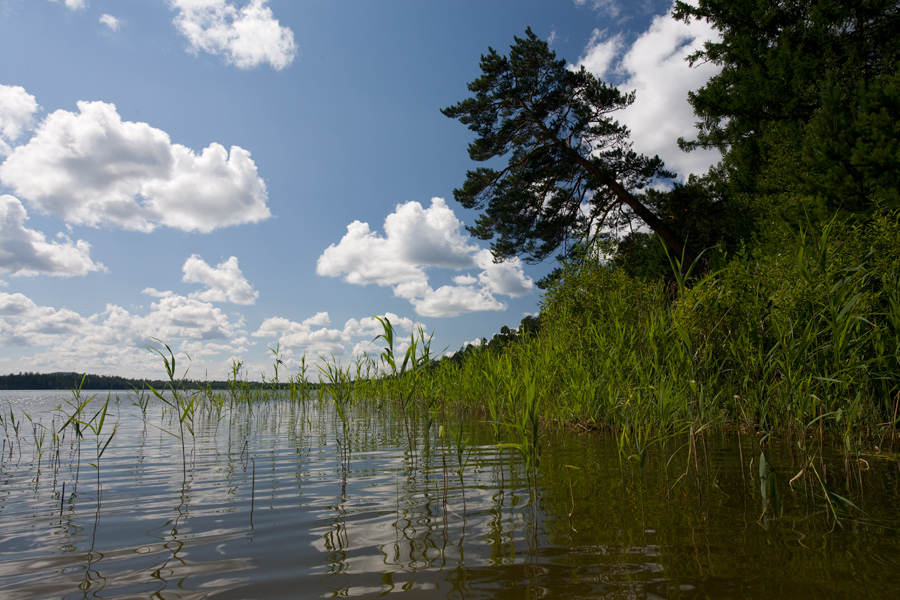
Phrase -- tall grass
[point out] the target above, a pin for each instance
(808, 338)
(183, 405)
(79, 421)
(339, 388)
(800, 343)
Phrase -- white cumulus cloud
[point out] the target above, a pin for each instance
(116, 340)
(654, 66)
(506, 278)
(224, 282)
(453, 300)
(178, 317)
(417, 239)
(247, 37)
(601, 52)
(24, 323)
(74, 4)
(93, 168)
(110, 21)
(25, 251)
(17, 109)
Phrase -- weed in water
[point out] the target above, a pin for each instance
(183, 407)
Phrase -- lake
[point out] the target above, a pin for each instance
(279, 499)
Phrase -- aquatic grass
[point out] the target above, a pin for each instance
(463, 454)
(496, 400)
(299, 385)
(234, 381)
(15, 437)
(339, 386)
(652, 363)
(405, 383)
(184, 407)
(39, 434)
(801, 346)
(525, 426)
(77, 405)
(142, 401)
(79, 421)
(95, 425)
(275, 383)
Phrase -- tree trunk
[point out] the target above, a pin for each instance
(671, 239)
(675, 244)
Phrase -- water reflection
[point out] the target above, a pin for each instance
(280, 500)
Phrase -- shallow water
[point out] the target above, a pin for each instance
(261, 507)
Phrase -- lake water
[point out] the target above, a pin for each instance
(272, 501)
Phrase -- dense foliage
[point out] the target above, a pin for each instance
(806, 99)
(791, 319)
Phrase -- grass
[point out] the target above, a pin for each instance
(339, 388)
(79, 421)
(184, 408)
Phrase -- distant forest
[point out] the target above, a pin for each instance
(72, 380)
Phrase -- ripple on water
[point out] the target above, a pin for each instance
(264, 504)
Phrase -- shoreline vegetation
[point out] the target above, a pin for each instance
(800, 342)
(795, 350)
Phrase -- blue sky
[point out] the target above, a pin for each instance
(232, 175)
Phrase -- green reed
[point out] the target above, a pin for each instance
(338, 385)
(299, 387)
(11, 429)
(799, 344)
(39, 434)
(79, 421)
(407, 380)
(803, 343)
(525, 426)
(183, 405)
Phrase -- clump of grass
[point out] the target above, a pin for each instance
(11, 428)
(339, 387)
(39, 434)
(94, 424)
(299, 386)
(525, 426)
(183, 405)
(405, 383)
(802, 342)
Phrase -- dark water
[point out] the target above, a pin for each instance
(266, 510)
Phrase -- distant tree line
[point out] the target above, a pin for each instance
(71, 380)
(530, 326)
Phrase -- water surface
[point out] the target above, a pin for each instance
(272, 500)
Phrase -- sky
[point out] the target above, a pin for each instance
(229, 177)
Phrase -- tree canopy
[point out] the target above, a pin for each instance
(570, 169)
(805, 109)
(807, 97)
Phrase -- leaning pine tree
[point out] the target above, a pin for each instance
(571, 170)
